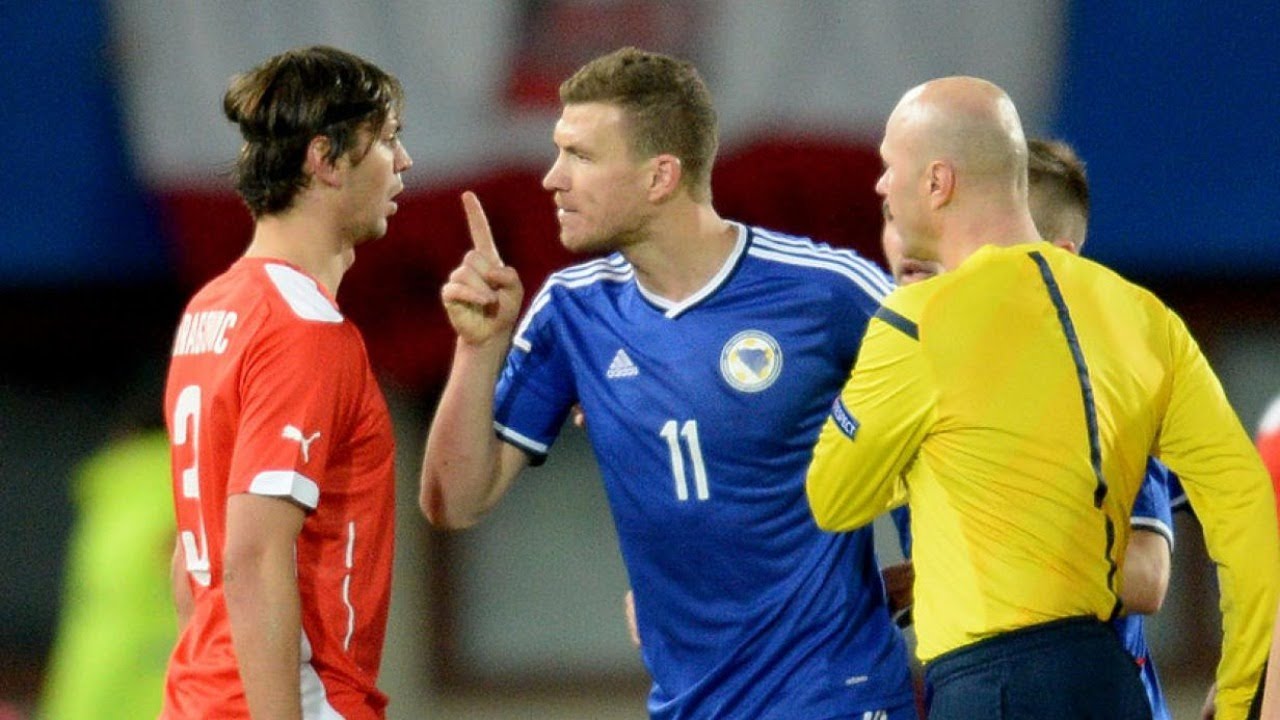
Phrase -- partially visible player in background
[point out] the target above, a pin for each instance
(116, 626)
(283, 453)
(1268, 439)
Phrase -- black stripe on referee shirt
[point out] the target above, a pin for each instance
(1090, 411)
(898, 322)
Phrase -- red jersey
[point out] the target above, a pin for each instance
(1269, 444)
(270, 392)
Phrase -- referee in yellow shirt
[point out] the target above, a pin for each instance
(1013, 402)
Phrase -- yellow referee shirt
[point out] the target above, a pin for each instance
(1013, 403)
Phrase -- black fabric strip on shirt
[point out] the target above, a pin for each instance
(1090, 409)
(898, 322)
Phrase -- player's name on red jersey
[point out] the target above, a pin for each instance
(204, 332)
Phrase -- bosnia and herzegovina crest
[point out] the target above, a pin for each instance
(751, 361)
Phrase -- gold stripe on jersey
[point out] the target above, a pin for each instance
(1017, 420)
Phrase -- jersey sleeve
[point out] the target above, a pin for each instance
(862, 287)
(1152, 510)
(1202, 441)
(875, 428)
(535, 389)
(901, 517)
(297, 389)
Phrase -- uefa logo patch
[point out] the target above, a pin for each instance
(751, 361)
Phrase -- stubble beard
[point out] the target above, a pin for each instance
(616, 241)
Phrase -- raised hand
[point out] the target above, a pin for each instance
(482, 296)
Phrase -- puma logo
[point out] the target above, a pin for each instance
(293, 433)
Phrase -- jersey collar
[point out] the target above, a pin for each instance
(673, 310)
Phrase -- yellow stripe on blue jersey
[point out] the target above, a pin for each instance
(1014, 402)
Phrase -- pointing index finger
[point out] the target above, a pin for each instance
(478, 224)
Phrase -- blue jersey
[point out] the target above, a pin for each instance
(703, 415)
(1153, 512)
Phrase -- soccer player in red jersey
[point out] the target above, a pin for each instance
(281, 442)
(1268, 439)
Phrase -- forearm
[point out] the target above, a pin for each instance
(839, 500)
(265, 616)
(875, 429)
(1203, 442)
(851, 481)
(1146, 572)
(1238, 519)
(461, 476)
(1249, 608)
(1271, 694)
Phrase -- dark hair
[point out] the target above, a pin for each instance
(666, 103)
(291, 98)
(1056, 175)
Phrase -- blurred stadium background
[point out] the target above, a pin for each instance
(119, 206)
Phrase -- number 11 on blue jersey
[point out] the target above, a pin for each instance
(688, 431)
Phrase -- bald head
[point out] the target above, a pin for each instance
(970, 122)
(956, 170)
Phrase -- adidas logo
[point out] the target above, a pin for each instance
(622, 367)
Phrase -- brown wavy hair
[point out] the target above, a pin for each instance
(291, 98)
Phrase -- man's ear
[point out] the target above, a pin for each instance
(941, 176)
(664, 177)
(317, 163)
(1067, 245)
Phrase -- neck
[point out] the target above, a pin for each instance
(683, 249)
(305, 240)
(970, 232)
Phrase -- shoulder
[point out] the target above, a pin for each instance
(276, 289)
(908, 303)
(818, 262)
(562, 288)
(299, 294)
(1270, 422)
(604, 272)
(1104, 282)
(293, 317)
(610, 269)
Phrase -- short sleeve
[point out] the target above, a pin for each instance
(901, 517)
(298, 385)
(536, 388)
(1152, 510)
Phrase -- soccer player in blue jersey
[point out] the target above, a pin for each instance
(704, 354)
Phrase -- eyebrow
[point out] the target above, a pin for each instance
(572, 148)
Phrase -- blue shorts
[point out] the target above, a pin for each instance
(1073, 669)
